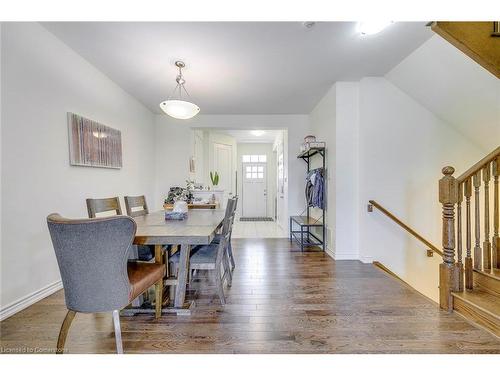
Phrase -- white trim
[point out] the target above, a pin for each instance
(30, 299)
(366, 259)
(330, 253)
(346, 256)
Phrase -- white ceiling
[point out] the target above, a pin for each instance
(246, 136)
(466, 95)
(239, 67)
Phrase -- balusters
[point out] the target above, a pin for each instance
(468, 234)
(459, 239)
(496, 240)
(486, 243)
(477, 232)
(448, 270)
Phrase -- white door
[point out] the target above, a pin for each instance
(254, 190)
(223, 164)
(280, 193)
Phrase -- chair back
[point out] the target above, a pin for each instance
(136, 202)
(229, 215)
(95, 206)
(92, 258)
(226, 228)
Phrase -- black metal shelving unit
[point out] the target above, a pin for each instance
(304, 236)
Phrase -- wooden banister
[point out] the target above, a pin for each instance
(484, 255)
(406, 227)
(479, 165)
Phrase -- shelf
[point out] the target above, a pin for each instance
(311, 152)
(305, 221)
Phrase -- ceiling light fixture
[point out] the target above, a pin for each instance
(177, 107)
(257, 133)
(372, 27)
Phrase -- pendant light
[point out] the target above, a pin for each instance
(178, 107)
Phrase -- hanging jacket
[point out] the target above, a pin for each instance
(315, 187)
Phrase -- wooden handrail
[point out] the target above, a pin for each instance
(479, 165)
(406, 227)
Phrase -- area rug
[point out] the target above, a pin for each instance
(256, 219)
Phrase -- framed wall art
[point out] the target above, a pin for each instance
(92, 144)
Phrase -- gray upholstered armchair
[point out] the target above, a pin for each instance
(92, 257)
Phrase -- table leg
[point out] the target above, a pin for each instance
(180, 290)
(158, 254)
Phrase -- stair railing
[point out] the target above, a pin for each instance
(431, 248)
(453, 275)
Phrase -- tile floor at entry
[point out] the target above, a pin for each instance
(257, 229)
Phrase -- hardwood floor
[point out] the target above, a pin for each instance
(281, 301)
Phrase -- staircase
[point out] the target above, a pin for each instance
(478, 40)
(470, 280)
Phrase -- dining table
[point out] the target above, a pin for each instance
(199, 228)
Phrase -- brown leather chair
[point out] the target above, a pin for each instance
(92, 257)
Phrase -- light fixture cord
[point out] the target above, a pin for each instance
(179, 86)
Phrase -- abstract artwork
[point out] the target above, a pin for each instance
(92, 144)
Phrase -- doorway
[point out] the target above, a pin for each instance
(223, 157)
(254, 189)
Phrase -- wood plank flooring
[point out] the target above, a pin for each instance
(281, 301)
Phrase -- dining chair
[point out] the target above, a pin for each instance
(229, 247)
(96, 206)
(213, 256)
(137, 206)
(101, 205)
(92, 258)
(132, 203)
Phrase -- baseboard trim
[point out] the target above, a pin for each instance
(30, 299)
(346, 256)
(330, 253)
(366, 259)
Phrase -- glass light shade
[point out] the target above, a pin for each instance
(179, 109)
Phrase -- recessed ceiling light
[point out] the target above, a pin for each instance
(309, 24)
(372, 27)
(257, 133)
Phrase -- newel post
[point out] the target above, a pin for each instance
(448, 270)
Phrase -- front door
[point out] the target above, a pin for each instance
(254, 190)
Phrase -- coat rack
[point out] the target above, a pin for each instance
(305, 236)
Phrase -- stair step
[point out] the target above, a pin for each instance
(488, 280)
(479, 306)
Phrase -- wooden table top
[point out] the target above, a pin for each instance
(198, 229)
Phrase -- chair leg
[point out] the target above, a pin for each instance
(118, 331)
(220, 286)
(63, 333)
(231, 257)
(158, 298)
(227, 270)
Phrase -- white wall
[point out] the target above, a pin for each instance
(173, 149)
(259, 149)
(384, 145)
(402, 148)
(42, 79)
(455, 88)
(335, 120)
(323, 126)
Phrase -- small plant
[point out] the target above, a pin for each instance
(214, 176)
